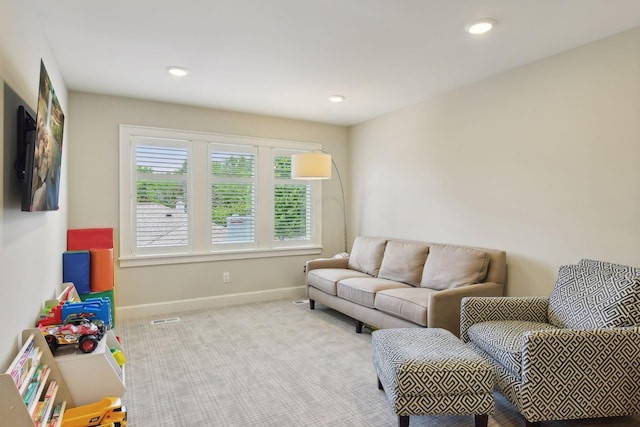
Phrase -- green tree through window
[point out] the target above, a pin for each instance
(291, 204)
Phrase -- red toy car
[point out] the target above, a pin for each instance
(83, 333)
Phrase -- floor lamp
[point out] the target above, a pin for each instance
(317, 165)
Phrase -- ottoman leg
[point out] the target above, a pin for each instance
(403, 421)
(482, 420)
(380, 385)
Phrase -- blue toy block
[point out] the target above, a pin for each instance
(92, 309)
(76, 268)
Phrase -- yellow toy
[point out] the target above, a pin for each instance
(109, 412)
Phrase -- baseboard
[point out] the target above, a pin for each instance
(136, 311)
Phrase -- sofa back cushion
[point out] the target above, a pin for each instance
(588, 297)
(403, 262)
(366, 254)
(450, 266)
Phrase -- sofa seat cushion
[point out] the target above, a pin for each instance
(450, 266)
(326, 279)
(502, 340)
(407, 303)
(362, 291)
(403, 262)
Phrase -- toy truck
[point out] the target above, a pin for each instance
(108, 412)
(82, 333)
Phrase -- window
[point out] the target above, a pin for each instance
(233, 195)
(162, 195)
(292, 202)
(188, 197)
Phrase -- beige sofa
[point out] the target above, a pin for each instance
(392, 283)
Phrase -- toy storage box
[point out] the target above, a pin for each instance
(92, 376)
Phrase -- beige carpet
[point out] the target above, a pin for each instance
(268, 364)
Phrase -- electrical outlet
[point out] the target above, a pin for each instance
(226, 277)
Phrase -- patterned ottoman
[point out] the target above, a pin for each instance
(430, 371)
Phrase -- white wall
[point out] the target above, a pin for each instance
(31, 244)
(93, 172)
(541, 161)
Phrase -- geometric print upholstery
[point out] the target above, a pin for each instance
(570, 374)
(506, 382)
(502, 340)
(476, 310)
(430, 371)
(566, 373)
(603, 265)
(626, 305)
(589, 297)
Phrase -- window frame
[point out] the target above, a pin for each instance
(201, 248)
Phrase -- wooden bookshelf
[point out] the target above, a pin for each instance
(15, 383)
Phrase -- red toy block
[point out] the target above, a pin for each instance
(89, 238)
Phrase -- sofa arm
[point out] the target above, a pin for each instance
(476, 310)
(326, 263)
(443, 310)
(568, 373)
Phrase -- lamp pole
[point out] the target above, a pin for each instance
(344, 205)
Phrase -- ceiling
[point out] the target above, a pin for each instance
(286, 57)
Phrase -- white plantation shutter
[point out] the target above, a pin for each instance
(292, 202)
(233, 194)
(199, 197)
(161, 194)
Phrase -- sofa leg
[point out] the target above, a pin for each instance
(528, 423)
(403, 421)
(312, 304)
(359, 325)
(482, 420)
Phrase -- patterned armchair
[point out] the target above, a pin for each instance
(575, 354)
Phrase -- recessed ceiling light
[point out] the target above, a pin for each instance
(336, 98)
(177, 71)
(481, 26)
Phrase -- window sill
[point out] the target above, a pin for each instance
(147, 260)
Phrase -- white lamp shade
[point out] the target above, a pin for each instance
(311, 166)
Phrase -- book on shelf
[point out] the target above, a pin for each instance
(33, 401)
(30, 387)
(28, 378)
(30, 392)
(42, 417)
(24, 364)
(35, 392)
(37, 412)
(56, 416)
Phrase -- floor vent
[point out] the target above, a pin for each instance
(163, 321)
(301, 302)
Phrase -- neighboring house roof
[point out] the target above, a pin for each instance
(159, 225)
